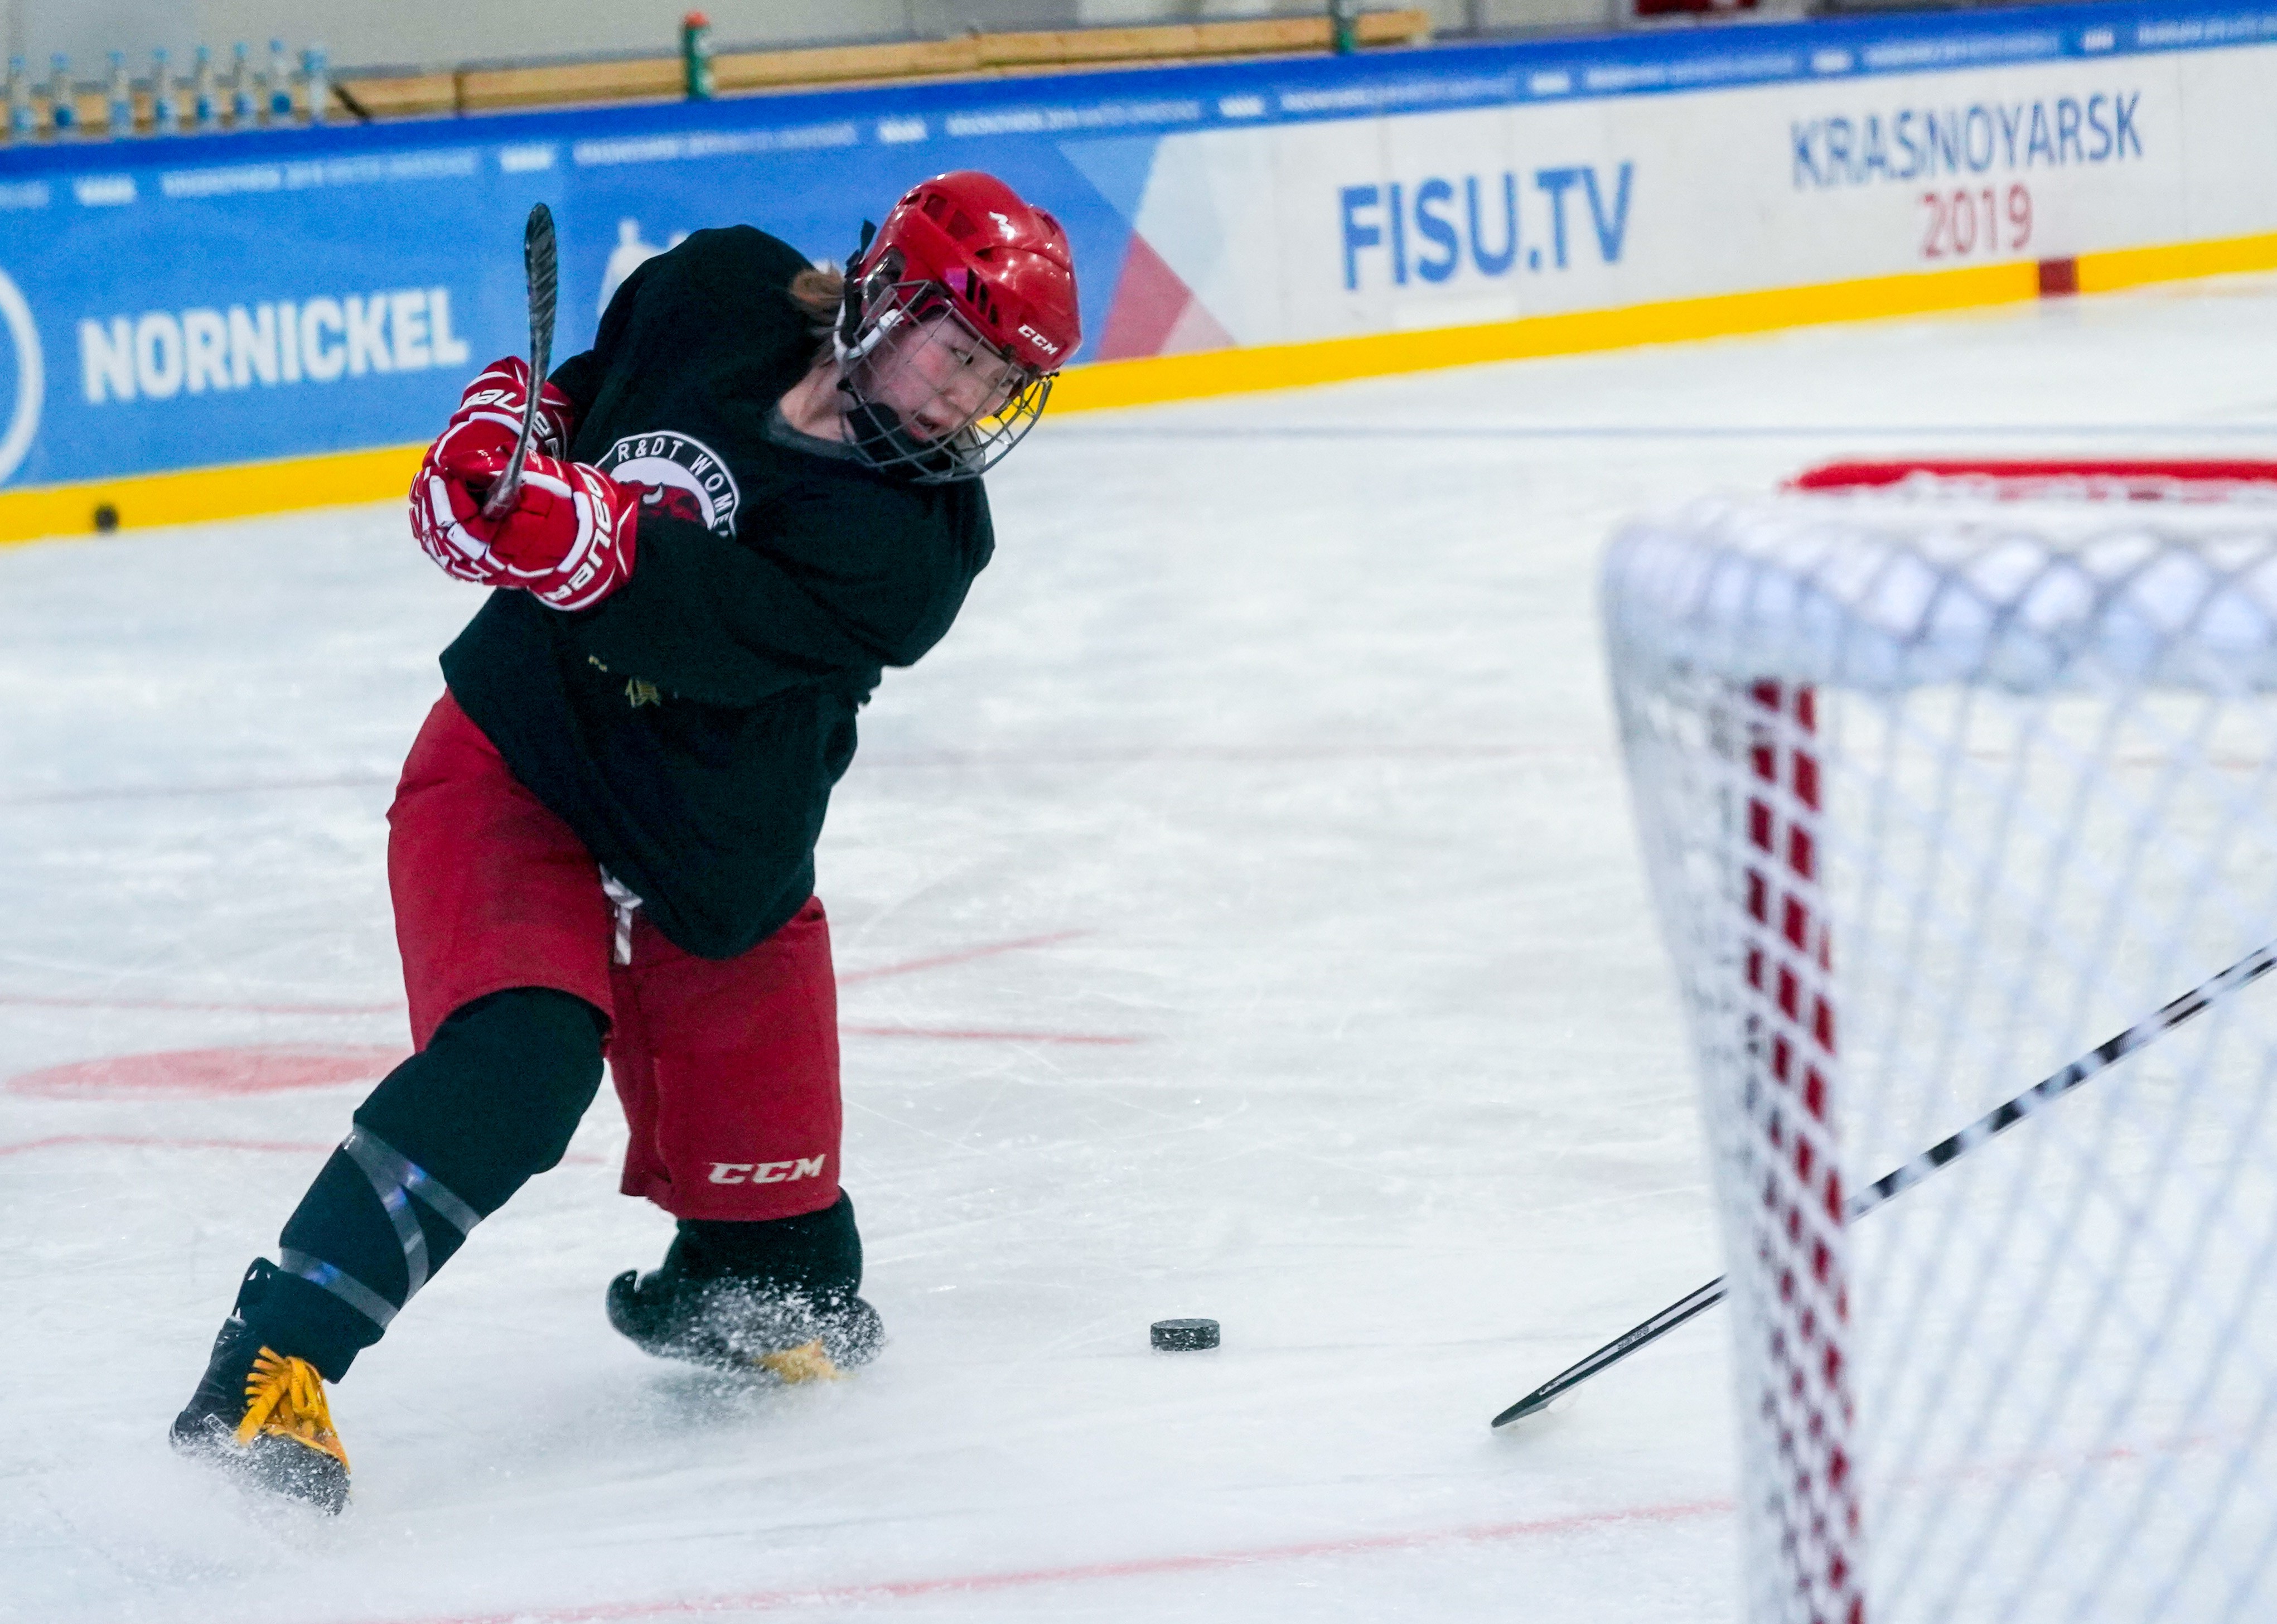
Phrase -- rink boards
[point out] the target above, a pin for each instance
(311, 301)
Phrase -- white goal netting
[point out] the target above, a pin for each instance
(1943, 783)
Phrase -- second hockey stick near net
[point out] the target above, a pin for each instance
(2252, 968)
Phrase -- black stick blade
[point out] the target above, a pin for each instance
(539, 266)
(1619, 1348)
(542, 274)
(1538, 1400)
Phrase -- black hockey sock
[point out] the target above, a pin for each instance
(817, 1256)
(441, 1144)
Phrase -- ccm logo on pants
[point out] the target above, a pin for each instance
(767, 1172)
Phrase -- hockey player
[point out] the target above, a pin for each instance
(759, 487)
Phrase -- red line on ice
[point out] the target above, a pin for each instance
(886, 758)
(883, 759)
(62, 1141)
(932, 962)
(960, 957)
(1236, 753)
(41, 1002)
(1137, 1568)
(137, 792)
(209, 1073)
(151, 1141)
(948, 1035)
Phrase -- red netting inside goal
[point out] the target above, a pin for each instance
(1799, 1350)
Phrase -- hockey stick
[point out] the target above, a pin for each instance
(537, 265)
(2252, 968)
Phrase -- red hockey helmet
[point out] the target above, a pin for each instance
(957, 313)
(1005, 264)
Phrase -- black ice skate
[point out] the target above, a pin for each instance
(262, 1417)
(731, 1324)
(777, 1296)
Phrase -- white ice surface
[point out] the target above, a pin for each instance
(1277, 733)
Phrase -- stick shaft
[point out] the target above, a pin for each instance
(2246, 970)
(1619, 1348)
(1899, 1179)
(541, 275)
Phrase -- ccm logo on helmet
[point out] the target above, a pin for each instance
(1038, 339)
(767, 1172)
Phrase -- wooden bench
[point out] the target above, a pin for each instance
(659, 79)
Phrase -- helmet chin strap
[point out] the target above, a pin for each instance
(851, 302)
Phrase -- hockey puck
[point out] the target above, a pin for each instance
(1180, 1336)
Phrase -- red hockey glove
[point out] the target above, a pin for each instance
(489, 417)
(568, 538)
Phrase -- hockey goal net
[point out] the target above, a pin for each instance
(1946, 774)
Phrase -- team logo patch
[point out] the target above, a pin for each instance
(678, 477)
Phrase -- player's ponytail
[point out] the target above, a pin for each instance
(819, 291)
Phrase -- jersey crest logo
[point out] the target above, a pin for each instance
(677, 476)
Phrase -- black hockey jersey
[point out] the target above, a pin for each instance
(691, 726)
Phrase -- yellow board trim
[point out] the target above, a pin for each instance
(356, 476)
(195, 494)
(1288, 366)
(2118, 267)
(1285, 366)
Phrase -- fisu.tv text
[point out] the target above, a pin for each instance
(1431, 230)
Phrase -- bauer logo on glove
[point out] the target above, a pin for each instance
(568, 539)
(489, 412)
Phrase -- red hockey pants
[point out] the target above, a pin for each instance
(727, 1069)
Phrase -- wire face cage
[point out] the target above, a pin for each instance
(931, 400)
(1945, 777)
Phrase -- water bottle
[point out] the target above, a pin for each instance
(696, 55)
(280, 85)
(320, 83)
(119, 109)
(23, 124)
(63, 105)
(165, 106)
(205, 105)
(244, 109)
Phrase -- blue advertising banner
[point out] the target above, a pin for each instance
(192, 302)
